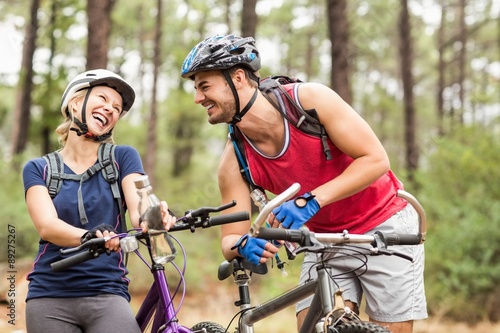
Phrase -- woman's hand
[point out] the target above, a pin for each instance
(103, 231)
(167, 218)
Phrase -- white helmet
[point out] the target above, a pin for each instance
(99, 77)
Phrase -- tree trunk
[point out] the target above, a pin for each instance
(48, 113)
(150, 160)
(21, 122)
(249, 18)
(462, 55)
(99, 30)
(227, 15)
(441, 72)
(406, 55)
(338, 30)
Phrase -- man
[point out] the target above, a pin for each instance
(354, 190)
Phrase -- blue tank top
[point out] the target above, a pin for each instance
(105, 274)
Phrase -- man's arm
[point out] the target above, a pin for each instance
(352, 135)
(233, 187)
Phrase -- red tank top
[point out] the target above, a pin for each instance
(302, 160)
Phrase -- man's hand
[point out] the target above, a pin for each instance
(255, 250)
(294, 213)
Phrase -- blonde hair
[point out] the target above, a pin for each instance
(63, 129)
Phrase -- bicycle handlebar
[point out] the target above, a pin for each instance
(422, 219)
(292, 235)
(401, 239)
(184, 223)
(95, 248)
(302, 237)
(275, 202)
(198, 218)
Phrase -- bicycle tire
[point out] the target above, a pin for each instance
(358, 327)
(209, 327)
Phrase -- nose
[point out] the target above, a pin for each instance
(111, 108)
(198, 97)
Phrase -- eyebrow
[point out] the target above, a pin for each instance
(196, 86)
(115, 104)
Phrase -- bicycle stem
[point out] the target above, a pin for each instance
(268, 208)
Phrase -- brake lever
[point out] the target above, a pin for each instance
(203, 212)
(377, 251)
(92, 245)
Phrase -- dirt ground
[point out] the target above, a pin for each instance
(215, 305)
(221, 310)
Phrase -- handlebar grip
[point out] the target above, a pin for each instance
(295, 235)
(65, 263)
(228, 218)
(402, 239)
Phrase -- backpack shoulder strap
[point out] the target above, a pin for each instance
(239, 150)
(55, 167)
(305, 120)
(55, 173)
(110, 172)
(106, 157)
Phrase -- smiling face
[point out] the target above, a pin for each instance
(102, 110)
(214, 94)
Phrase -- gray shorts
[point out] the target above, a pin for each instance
(393, 287)
(97, 314)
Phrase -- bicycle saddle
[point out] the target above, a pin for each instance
(227, 268)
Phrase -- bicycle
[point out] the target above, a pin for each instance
(157, 312)
(326, 314)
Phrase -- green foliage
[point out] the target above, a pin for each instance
(14, 214)
(6, 105)
(459, 177)
(462, 199)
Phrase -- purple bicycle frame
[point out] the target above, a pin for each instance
(158, 298)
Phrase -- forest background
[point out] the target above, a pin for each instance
(424, 74)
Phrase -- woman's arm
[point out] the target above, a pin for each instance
(46, 221)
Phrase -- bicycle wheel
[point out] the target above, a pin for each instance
(358, 327)
(209, 327)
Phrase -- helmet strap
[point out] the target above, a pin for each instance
(229, 80)
(239, 114)
(237, 117)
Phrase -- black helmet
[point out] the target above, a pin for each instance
(221, 52)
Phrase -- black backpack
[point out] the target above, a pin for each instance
(106, 164)
(305, 120)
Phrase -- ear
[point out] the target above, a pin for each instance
(239, 77)
(74, 107)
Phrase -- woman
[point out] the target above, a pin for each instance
(92, 296)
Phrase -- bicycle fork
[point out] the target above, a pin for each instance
(159, 299)
(333, 306)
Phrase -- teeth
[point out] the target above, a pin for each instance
(99, 117)
(208, 107)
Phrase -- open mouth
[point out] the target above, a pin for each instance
(209, 106)
(100, 118)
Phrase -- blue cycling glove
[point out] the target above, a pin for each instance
(293, 214)
(250, 248)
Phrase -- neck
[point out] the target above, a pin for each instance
(262, 122)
